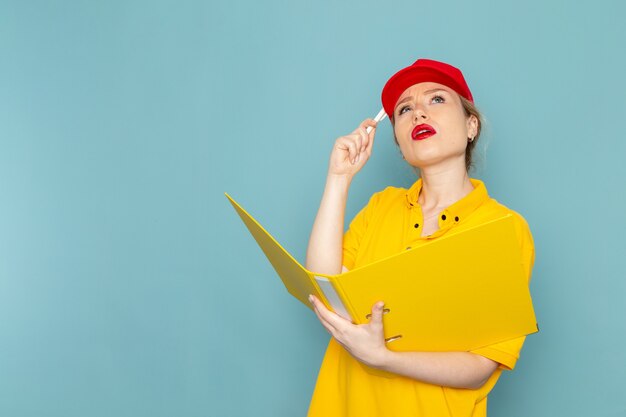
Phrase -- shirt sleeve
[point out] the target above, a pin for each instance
(507, 353)
(353, 237)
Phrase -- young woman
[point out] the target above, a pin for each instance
(436, 126)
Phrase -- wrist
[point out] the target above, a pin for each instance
(339, 181)
(383, 360)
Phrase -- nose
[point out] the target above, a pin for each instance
(419, 114)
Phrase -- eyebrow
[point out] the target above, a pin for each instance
(425, 92)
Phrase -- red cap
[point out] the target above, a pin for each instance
(423, 70)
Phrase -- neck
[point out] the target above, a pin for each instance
(443, 187)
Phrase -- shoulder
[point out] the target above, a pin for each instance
(491, 209)
(380, 204)
(500, 209)
(522, 230)
(389, 195)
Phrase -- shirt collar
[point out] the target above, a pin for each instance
(457, 211)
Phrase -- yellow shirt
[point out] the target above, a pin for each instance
(392, 222)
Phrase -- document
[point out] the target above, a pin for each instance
(431, 303)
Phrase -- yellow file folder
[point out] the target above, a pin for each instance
(433, 301)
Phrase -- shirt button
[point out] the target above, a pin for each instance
(408, 247)
(456, 218)
(416, 225)
(443, 217)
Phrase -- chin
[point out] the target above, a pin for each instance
(424, 158)
(426, 161)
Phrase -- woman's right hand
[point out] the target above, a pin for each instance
(349, 155)
(351, 152)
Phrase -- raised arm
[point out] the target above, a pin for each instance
(349, 155)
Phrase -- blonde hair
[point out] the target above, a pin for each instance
(471, 110)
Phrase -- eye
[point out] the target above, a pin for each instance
(437, 99)
(403, 110)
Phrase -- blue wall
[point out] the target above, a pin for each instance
(128, 286)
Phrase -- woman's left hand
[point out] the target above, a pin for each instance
(366, 342)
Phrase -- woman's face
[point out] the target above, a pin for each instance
(431, 126)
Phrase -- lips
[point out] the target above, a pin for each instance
(423, 131)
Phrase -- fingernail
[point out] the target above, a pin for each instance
(311, 299)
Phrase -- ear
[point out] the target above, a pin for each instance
(472, 126)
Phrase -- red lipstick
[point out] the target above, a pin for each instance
(423, 131)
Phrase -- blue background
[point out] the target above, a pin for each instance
(129, 287)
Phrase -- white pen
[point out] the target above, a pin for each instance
(380, 116)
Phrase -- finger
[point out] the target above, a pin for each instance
(320, 310)
(346, 143)
(324, 323)
(330, 329)
(358, 144)
(370, 143)
(364, 139)
(358, 140)
(377, 313)
(353, 151)
(368, 123)
(334, 320)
